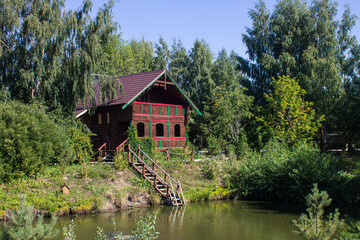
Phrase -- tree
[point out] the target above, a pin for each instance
(314, 226)
(258, 44)
(224, 72)
(179, 63)
(49, 53)
(161, 60)
(302, 40)
(199, 83)
(226, 115)
(128, 57)
(286, 114)
(24, 226)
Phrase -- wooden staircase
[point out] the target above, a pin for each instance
(169, 188)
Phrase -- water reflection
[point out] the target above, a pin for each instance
(209, 220)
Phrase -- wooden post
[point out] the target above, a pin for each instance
(155, 179)
(192, 154)
(165, 178)
(129, 157)
(167, 191)
(168, 154)
(139, 150)
(143, 170)
(154, 167)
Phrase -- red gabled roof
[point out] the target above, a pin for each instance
(133, 85)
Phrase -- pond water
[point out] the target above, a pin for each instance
(200, 221)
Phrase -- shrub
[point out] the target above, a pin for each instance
(281, 173)
(120, 163)
(30, 138)
(132, 134)
(147, 145)
(213, 145)
(209, 171)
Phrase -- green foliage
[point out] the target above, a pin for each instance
(146, 228)
(24, 226)
(226, 114)
(179, 63)
(147, 145)
(209, 171)
(69, 233)
(141, 182)
(281, 173)
(162, 55)
(81, 145)
(314, 225)
(128, 57)
(120, 163)
(213, 145)
(287, 115)
(30, 139)
(51, 52)
(199, 83)
(305, 40)
(351, 231)
(133, 139)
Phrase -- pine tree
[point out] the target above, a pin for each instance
(315, 226)
(179, 63)
(24, 226)
(200, 83)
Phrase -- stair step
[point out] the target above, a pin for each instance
(161, 186)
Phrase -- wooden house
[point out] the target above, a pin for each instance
(152, 101)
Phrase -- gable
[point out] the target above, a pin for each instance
(135, 85)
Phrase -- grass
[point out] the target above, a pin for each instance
(105, 185)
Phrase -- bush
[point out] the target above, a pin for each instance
(147, 145)
(30, 138)
(213, 145)
(120, 163)
(281, 173)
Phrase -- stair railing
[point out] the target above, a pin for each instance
(168, 181)
(121, 146)
(167, 176)
(131, 161)
(102, 149)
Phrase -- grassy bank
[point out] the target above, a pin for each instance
(107, 189)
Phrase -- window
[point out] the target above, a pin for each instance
(177, 130)
(159, 130)
(99, 118)
(141, 129)
(107, 117)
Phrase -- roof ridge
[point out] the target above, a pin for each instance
(160, 70)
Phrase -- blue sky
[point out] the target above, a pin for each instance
(219, 22)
